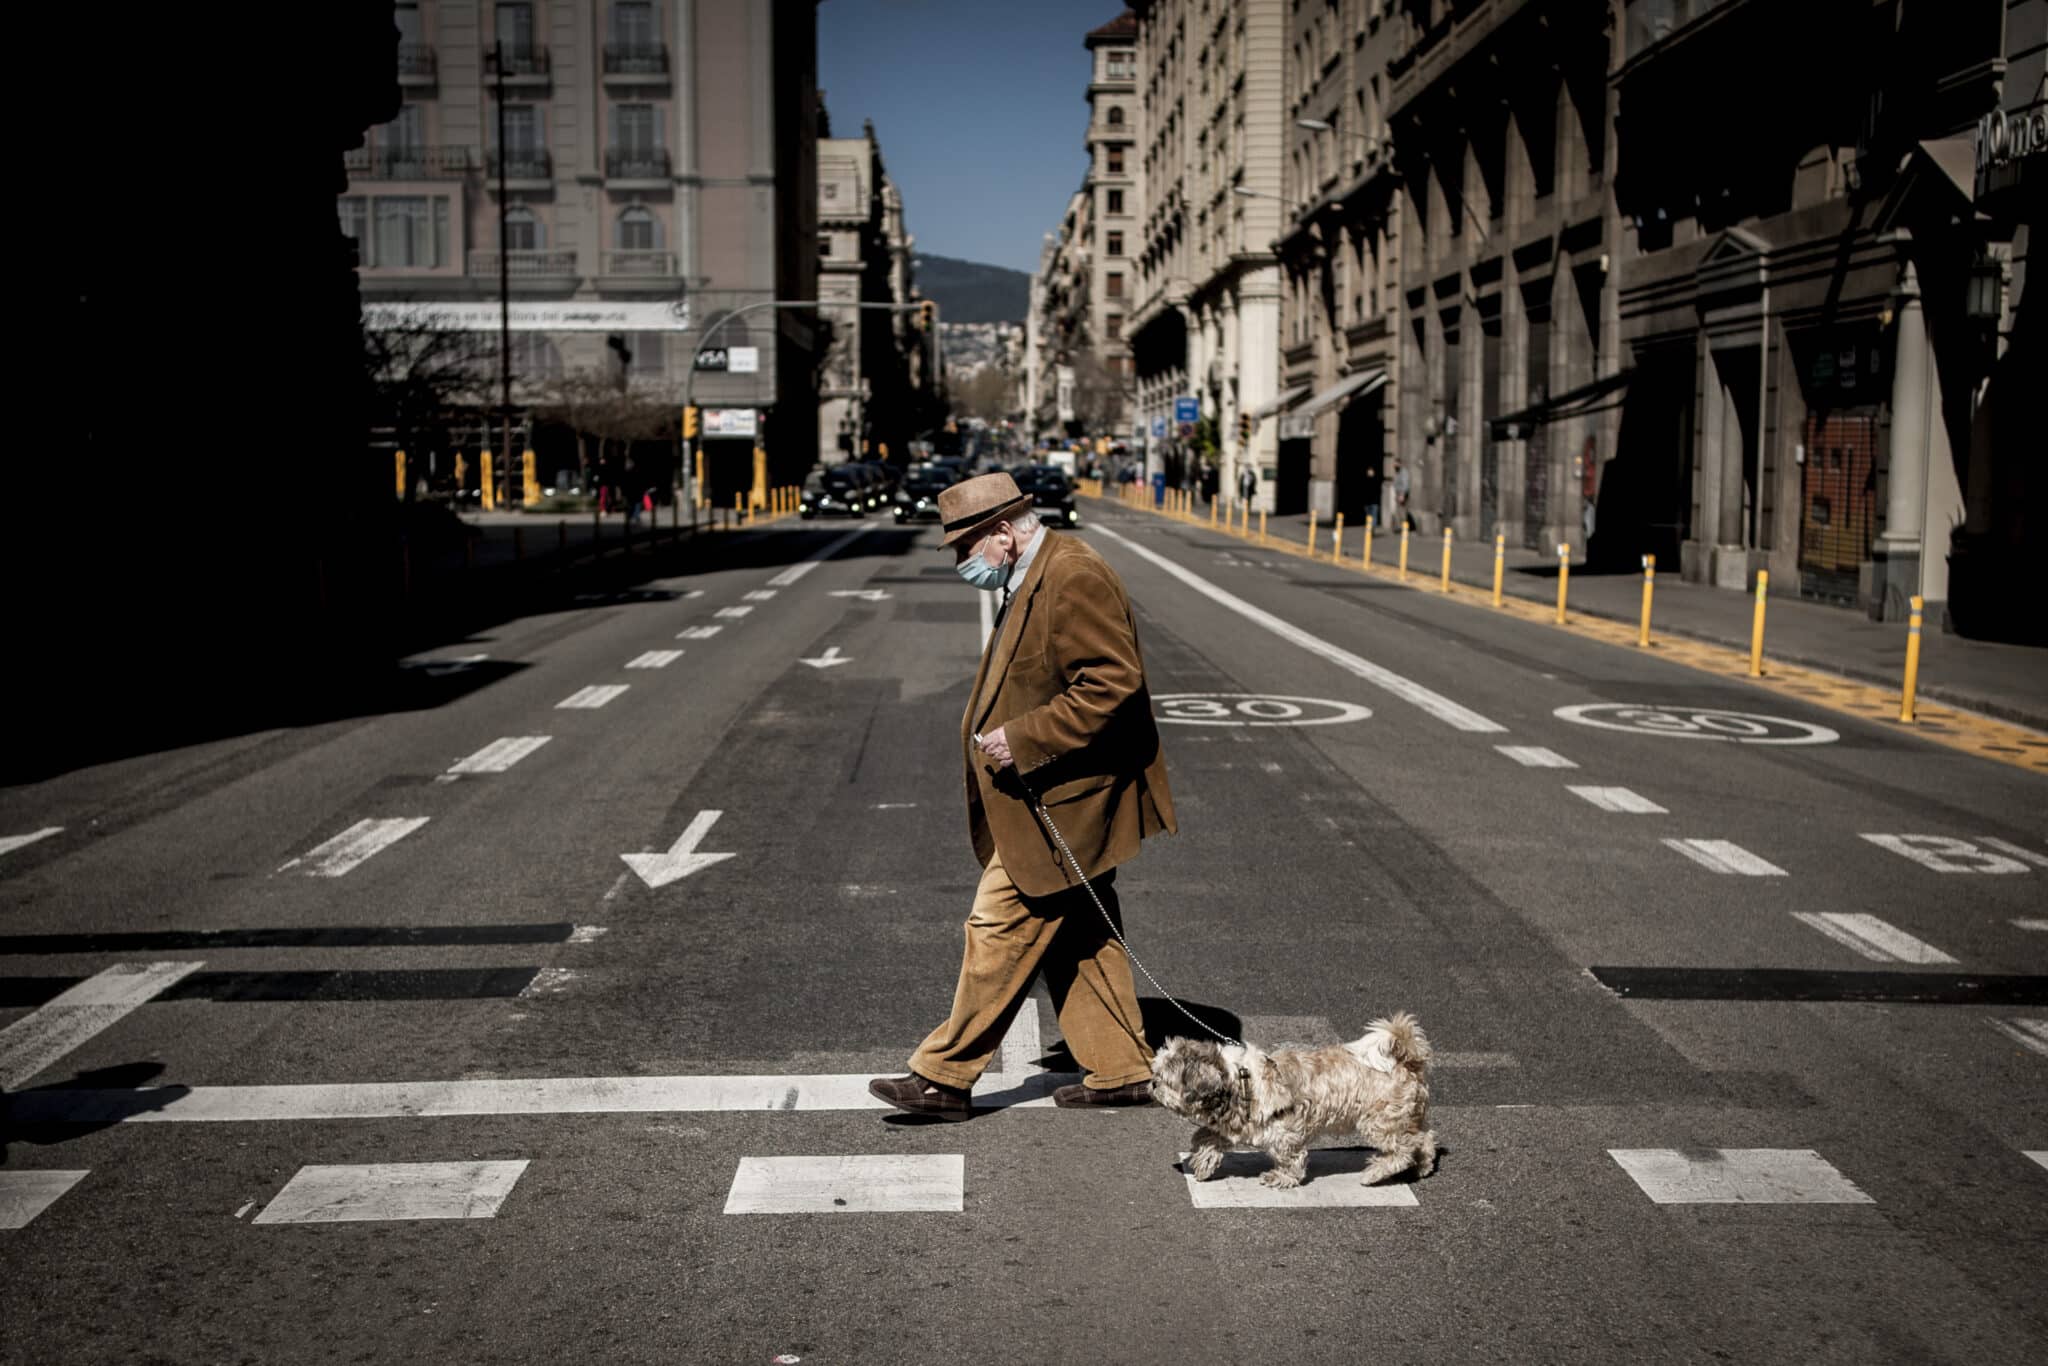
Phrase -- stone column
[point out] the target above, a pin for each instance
(1895, 575)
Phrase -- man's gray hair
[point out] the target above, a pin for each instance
(1025, 521)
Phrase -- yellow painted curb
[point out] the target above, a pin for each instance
(1987, 738)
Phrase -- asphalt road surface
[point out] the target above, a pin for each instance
(494, 1029)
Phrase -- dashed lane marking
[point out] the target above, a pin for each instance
(2040, 1157)
(654, 659)
(2026, 1033)
(761, 595)
(1619, 799)
(1875, 939)
(10, 843)
(1535, 756)
(2026, 923)
(831, 548)
(24, 1195)
(498, 755)
(931, 1183)
(733, 611)
(390, 1191)
(60, 1025)
(354, 846)
(699, 632)
(1332, 1184)
(1724, 856)
(592, 697)
(1737, 1176)
(1451, 713)
(1946, 854)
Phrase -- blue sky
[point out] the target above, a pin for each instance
(979, 105)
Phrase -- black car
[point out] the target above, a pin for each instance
(842, 489)
(1052, 493)
(918, 499)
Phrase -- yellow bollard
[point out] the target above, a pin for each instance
(1365, 551)
(1500, 560)
(1244, 528)
(1404, 552)
(1756, 629)
(1212, 514)
(1337, 541)
(1912, 662)
(1564, 576)
(1311, 534)
(1446, 585)
(490, 479)
(739, 509)
(401, 473)
(1649, 583)
(1262, 526)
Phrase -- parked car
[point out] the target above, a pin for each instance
(918, 499)
(842, 489)
(1052, 493)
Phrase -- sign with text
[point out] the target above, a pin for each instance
(746, 360)
(713, 358)
(1187, 409)
(574, 315)
(732, 422)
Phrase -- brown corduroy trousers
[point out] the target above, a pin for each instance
(1010, 939)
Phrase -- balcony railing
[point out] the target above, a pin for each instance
(635, 59)
(415, 62)
(636, 163)
(408, 163)
(524, 163)
(522, 262)
(517, 61)
(638, 261)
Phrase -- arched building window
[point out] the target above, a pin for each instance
(1116, 116)
(637, 229)
(523, 231)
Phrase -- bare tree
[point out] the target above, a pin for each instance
(984, 394)
(1098, 392)
(424, 382)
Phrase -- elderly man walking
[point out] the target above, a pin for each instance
(1062, 716)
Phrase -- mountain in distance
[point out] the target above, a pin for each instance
(970, 292)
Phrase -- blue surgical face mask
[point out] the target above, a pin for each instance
(983, 575)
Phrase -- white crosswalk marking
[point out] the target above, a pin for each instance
(1724, 856)
(1452, 714)
(2026, 923)
(654, 659)
(591, 698)
(354, 846)
(1535, 756)
(500, 755)
(877, 1184)
(71, 1017)
(1618, 799)
(831, 548)
(733, 611)
(1332, 1184)
(392, 1191)
(1945, 854)
(2026, 1033)
(699, 632)
(1737, 1176)
(24, 1195)
(1875, 939)
(2018, 851)
(761, 595)
(10, 843)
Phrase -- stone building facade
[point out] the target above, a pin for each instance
(1206, 323)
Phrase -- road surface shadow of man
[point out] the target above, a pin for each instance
(96, 1099)
(1163, 1020)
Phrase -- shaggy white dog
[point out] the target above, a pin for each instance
(1376, 1087)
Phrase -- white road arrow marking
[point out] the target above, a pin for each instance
(829, 658)
(864, 594)
(682, 858)
(10, 843)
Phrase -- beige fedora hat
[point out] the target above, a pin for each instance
(972, 504)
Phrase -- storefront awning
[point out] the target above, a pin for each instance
(1364, 382)
(1285, 400)
(1571, 403)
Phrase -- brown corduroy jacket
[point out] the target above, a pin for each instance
(1064, 678)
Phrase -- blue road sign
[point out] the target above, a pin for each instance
(1187, 409)
(1158, 428)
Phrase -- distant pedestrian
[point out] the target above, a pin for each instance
(1247, 484)
(1059, 713)
(1401, 495)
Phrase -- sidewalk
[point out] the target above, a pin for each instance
(2009, 682)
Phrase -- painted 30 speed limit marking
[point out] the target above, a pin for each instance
(1698, 723)
(1254, 709)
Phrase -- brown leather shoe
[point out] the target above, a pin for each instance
(922, 1096)
(1078, 1097)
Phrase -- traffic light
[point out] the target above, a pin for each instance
(1244, 429)
(927, 316)
(690, 423)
